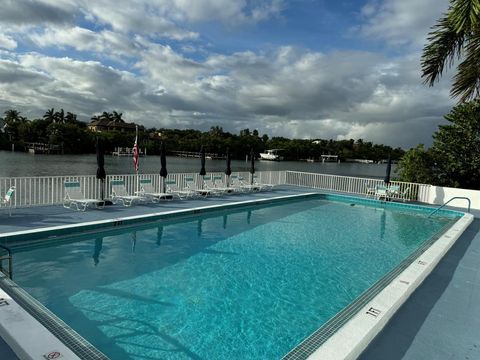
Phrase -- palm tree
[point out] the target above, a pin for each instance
(60, 116)
(117, 117)
(13, 116)
(50, 115)
(106, 116)
(455, 36)
(70, 117)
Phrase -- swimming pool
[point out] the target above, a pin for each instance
(243, 283)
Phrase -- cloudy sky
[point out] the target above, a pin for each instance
(336, 69)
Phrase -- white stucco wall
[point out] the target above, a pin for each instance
(439, 195)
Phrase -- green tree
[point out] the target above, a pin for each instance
(417, 166)
(454, 158)
(456, 147)
(455, 36)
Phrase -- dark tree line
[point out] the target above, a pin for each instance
(62, 128)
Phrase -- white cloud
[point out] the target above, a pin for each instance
(287, 92)
(7, 42)
(401, 22)
(282, 91)
(104, 43)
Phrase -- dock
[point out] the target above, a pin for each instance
(329, 158)
(42, 148)
(194, 154)
(126, 151)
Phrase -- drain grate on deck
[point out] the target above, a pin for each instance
(320, 336)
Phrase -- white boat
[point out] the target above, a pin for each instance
(272, 155)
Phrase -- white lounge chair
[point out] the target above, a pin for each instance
(7, 200)
(172, 188)
(191, 186)
(147, 190)
(121, 195)
(215, 184)
(220, 184)
(76, 200)
(238, 183)
(262, 186)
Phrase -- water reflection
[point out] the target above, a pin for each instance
(383, 221)
(97, 250)
(134, 241)
(199, 228)
(159, 235)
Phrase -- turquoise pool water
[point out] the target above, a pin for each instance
(244, 284)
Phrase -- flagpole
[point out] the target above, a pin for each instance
(135, 157)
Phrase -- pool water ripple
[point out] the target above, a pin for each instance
(240, 285)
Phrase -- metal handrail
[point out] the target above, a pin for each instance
(9, 257)
(445, 204)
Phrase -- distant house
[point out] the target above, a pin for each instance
(316, 142)
(103, 125)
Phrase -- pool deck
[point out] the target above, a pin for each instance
(441, 320)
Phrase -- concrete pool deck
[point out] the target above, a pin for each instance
(441, 320)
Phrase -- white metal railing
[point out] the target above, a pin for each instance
(49, 190)
(404, 191)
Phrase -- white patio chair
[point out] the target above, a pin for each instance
(397, 193)
(76, 200)
(121, 195)
(7, 200)
(148, 191)
(381, 192)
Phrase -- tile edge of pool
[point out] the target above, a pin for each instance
(353, 338)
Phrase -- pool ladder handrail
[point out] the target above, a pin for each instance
(9, 257)
(445, 204)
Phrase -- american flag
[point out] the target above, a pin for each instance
(135, 155)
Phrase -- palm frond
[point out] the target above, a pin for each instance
(445, 45)
(466, 83)
(464, 15)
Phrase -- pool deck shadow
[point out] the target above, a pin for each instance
(441, 319)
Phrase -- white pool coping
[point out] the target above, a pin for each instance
(353, 338)
(28, 339)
